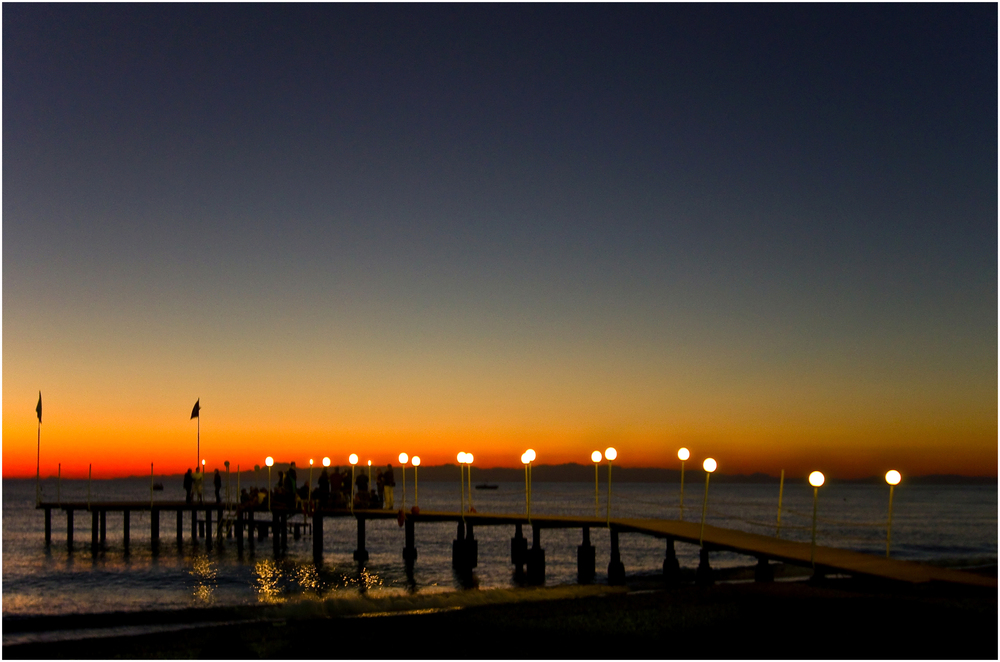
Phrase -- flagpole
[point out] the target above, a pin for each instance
(38, 464)
(38, 454)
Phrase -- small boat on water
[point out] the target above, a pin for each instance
(487, 486)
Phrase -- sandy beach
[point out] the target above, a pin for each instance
(832, 618)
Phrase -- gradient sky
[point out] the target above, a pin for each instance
(765, 232)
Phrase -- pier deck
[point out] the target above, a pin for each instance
(826, 560)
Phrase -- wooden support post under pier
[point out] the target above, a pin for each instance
(671, 566)
(616, 569)
(250, 527)
(536, 557)
(126, 526)
(458, 549)
(317, 537)
(194, 524)
(763, 572)
(208, 528)
(471, 547)
(704, 575)
(48, 526)
(586, 559)
(275, 536)
(284, 532)
(518, 550)
(69, 528)
(409, 549)
(180, 526)
(93, 529)
(361, 554)
(104, 526)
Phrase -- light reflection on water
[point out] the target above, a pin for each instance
(267, 574)
(204, 572)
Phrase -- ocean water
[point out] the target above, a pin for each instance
(955, 525)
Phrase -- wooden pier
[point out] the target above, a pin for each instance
(247, 524)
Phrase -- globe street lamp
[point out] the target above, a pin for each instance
(683, 455)
(816, 479)
(468, 461)
(461, 479)
(892, 477)
(416, 487)
(403, 459)
(709, 465)
(353, 459)
(595, 457)
(610, 454)
(269, 461)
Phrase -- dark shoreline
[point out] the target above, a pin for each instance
(830, 618)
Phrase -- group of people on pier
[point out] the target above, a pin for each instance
(193, 486)
(334, 489)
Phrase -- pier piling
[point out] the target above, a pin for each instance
(93, 530)
(154, 528)
(48, 527)
(763, 572)
(616, 569)
(671, 566)
(535, 556)
(69, 529)
(410, 549)
(518, 550)
(586, 559)
(317, 537)
(208, 528)
(126, 526)
(104, 526)
(704, 576)
(361, 554)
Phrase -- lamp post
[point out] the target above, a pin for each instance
(683, 455)
(892, 477)
(403, 459)
(595, 457)
(461, 480)
(529, 455)
(416, 488)
(816, 479)
(610, 454)
(709, 465)
(310, 482)
(468, 461)
(353, 459)
(269, 461)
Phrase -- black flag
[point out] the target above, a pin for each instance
(194, 412)
(38, 408)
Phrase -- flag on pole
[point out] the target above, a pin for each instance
(38, 407)
(194, 412)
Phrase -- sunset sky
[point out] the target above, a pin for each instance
(764, 232)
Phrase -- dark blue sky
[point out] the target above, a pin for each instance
(583, 219)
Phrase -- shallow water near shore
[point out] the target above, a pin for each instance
(954, 525)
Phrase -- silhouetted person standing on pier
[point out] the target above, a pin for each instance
(388, 483)
(198, 479)
(218, 486)
(188, 485)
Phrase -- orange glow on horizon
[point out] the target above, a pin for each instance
(122, 453)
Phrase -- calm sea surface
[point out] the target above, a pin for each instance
(955, 524)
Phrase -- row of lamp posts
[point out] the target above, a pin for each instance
(816, 479)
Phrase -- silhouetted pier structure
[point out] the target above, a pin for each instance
(246, 524)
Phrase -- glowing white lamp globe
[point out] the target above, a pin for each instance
(530, 454)
(326, 461)
(353, 459)
(524, 458)
(683, 454)
(611, 454)
(415, 460)
(461, 457)
(403, 458)
(816, 479)
(468, 458)
(710, 465)
(269, 461)
(892, 477)
(595, 456)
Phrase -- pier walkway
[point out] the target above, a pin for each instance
(238, 522)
